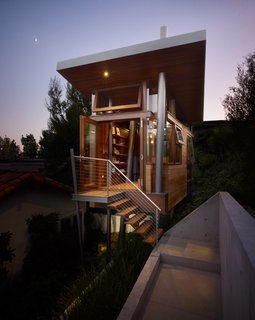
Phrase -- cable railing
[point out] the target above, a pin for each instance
(100, 177)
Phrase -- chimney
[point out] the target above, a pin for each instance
(163, 32)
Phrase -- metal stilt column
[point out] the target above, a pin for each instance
(109, 231)
(122, 231)
(77, 208)
(160, 131)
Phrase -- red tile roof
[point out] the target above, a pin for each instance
(12, 180)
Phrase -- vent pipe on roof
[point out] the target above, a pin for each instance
(163, 32)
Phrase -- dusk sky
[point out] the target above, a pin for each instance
(36, 34)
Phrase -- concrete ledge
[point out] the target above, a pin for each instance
(183, 293)
(191, 254)
(137, 297)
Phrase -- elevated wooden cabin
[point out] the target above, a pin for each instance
(144, 99)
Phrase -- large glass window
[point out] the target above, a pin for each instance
(179, 136)
(173, 141)
(90, 139)
(119, 98)
(168, 141)
(178, 145)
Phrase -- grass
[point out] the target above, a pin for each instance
(102, 295)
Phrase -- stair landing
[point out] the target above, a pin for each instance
(98, 195)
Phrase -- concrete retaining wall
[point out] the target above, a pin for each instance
(202, 224)
(237, 253)
(220, 222)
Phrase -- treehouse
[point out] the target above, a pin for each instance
(144, 100)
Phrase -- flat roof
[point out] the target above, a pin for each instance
(181, 58)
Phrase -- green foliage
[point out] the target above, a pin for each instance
(239, 104)
(102, 295)
(244, 132)
(51, 263)
(9, 151)
(221, 157)
(49, 248)
(63, 125)
(6, 253)
(240, 109)
(30, 146)
(223, 171)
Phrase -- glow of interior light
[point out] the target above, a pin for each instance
(106, 74)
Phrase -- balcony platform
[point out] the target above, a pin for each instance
(103, 195)
(100, 196)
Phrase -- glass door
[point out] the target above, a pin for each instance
(87, 137)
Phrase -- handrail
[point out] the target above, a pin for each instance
(125, 177)
(102, 179)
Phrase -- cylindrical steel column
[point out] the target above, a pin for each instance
(160, 131)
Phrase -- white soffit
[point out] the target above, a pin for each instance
(134, 49)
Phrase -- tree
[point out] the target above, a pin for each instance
(8, 149)
(6, 253)
(239, 104)
(30, 146)
(51, 263)
(63, 124)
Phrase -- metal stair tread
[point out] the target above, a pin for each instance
(126, 211)
(118, 203)
(136, 219)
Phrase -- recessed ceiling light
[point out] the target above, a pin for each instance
(106, 74)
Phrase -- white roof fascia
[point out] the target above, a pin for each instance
(134, 49)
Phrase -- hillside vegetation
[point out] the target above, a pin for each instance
(225, 158)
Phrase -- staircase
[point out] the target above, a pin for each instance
(100, 180)
(134, 214)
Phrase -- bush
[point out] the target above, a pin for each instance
(51, 264)
(221, 165)
(6, 253)
(107, 291)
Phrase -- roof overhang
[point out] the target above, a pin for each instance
(181, 58)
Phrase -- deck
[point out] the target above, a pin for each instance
(100, 196)
(103, 195)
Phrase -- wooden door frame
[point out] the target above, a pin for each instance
(84, 119)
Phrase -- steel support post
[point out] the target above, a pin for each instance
(160, 131)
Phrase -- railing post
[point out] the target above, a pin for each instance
(108, 177)
(157, 223)
(75, 187)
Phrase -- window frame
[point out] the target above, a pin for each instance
(136, 105)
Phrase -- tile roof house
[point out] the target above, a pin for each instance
(23, 194)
